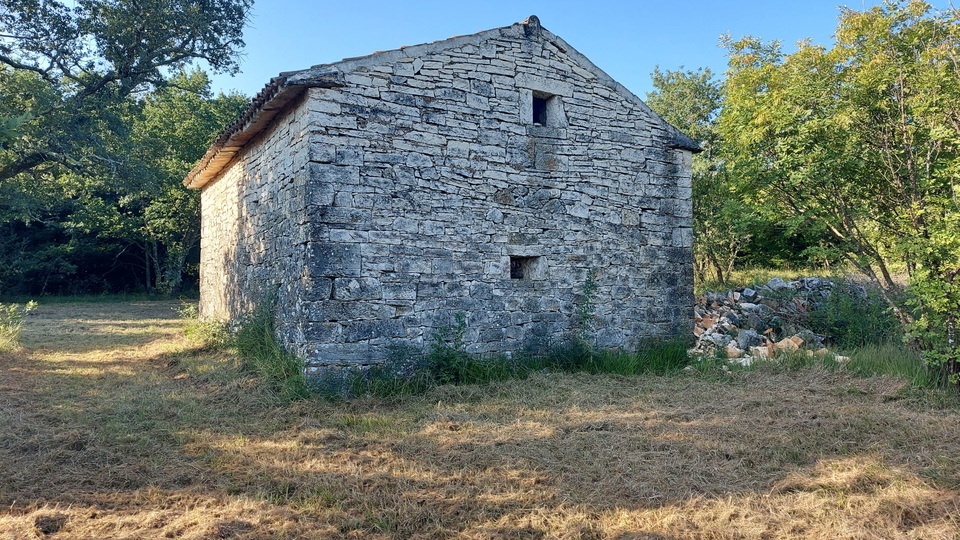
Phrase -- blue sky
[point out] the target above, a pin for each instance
(625, 39)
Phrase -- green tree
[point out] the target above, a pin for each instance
(691, 102)
(77, 81)
(176, 125)
(860, 141)
(66, 72)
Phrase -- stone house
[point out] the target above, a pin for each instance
(488, 174)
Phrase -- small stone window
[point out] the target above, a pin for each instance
(546, 110)
(540, 110)
(523, 267)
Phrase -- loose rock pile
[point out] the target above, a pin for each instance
(747, 324)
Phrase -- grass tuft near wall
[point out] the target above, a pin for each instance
(411, 371)
(261, 354)
(445, 361)
(11, 324)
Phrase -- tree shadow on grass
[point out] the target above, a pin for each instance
(160, 448)
(612, 459)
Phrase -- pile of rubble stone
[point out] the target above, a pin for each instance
(747, 324)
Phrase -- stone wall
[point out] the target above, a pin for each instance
(424, 187)
(253, 233)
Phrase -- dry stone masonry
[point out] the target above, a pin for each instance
(489, 174)
(755, 323)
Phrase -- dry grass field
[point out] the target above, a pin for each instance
(113, 425)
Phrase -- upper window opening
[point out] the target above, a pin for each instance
(540, 110)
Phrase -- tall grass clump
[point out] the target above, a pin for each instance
(655, 357)
(894, 359)
(855, 320)
(11, 323)
(261, 354)
(207, 334)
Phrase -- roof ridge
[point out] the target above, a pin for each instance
(267, 103)
(287, 86)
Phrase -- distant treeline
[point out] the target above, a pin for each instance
(101, 116)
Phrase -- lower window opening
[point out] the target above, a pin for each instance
(522, 267)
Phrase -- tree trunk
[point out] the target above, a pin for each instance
(148, 285)
(886, 274)
(885, 293)
(717, 267)
(953, 369)
(157, 273)
(174, 270)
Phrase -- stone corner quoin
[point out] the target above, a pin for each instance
(489, 174)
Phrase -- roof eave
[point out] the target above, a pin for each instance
(275, 97)
(680, 141)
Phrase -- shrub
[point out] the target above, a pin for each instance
(448, 361)
(853, 315)
(586, 309)
(11, 323)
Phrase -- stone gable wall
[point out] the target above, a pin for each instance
(383, 208)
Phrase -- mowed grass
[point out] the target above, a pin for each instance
(113, 425)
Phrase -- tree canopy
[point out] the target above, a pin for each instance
(860, 142)
(66, 72)
(100, 121)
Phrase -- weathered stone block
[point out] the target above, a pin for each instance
(316, 287)
(333, 174)
(327, 259)
(357, 289)
(365, 330)
(333, 215)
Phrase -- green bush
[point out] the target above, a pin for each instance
(11, 323)
(448, 361)
(854, 315)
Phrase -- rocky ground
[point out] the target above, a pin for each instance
(752, 323)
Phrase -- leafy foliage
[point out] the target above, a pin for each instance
(447, 359)
(176, 125)
(586, 309)
(80, 234)
(854, 316)
(100, 122)
(71, 69)
(859, 142)
(11, 322)
(691, 101)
